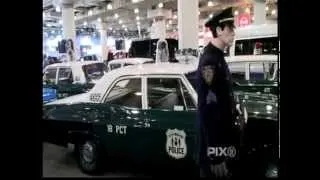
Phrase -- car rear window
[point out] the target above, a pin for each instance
(50, 74)
(94, 71)
(269, 45)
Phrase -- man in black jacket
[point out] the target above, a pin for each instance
(217, 134)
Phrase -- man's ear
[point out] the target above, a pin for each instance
(218, 30)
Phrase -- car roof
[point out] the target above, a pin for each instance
(74, 63)
(142, 69)
(253, 31)
(252, 58)
(131, 60)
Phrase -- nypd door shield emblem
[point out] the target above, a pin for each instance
(176, 143)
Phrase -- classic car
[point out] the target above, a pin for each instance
(251, 40)
(255, 73)
(70, 78)
(118, 63)
(147, 114)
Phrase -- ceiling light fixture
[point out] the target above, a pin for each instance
(120, 21)
(160, 5)
(116, 16)
(267, 8)
(109, 6)
(138, 23)
(58, 9)
(136, 10)
(210, 16)
(247, 10)
(137, 18)
(273, 12)
(99, 19)
(85, 23)
(210, 3)
(236, 13)
(175, 16)
(90, 13)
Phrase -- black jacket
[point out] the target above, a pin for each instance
(216, 105)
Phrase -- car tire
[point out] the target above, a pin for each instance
(89, 157)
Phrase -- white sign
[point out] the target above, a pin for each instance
(109, 128)
(176, 143)
(121, 129)
(222, 151)
(118, 129)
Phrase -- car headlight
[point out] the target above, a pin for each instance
(272, 172)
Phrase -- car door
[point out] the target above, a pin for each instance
(123, 104)
(171, 115)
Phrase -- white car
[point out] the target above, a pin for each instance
(255, 40)
(74, 72)
(254, 68)
(118, 63)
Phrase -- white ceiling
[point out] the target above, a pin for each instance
(125, 10)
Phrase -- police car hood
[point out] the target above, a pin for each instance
(76, 99)
(260, 106)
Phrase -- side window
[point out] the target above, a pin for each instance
(256, 71)
(168, 94)
(237, 71)
(268, 45)
(50, 75)
(114, 66)
(65, 76)
(187, 97)
(192, 78)
(127, 93)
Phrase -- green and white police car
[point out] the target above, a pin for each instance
(146, 113)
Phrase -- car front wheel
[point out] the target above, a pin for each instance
(89, 157)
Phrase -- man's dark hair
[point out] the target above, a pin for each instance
(213, 29)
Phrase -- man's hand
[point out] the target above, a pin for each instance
(238, 109)
(220, 170)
